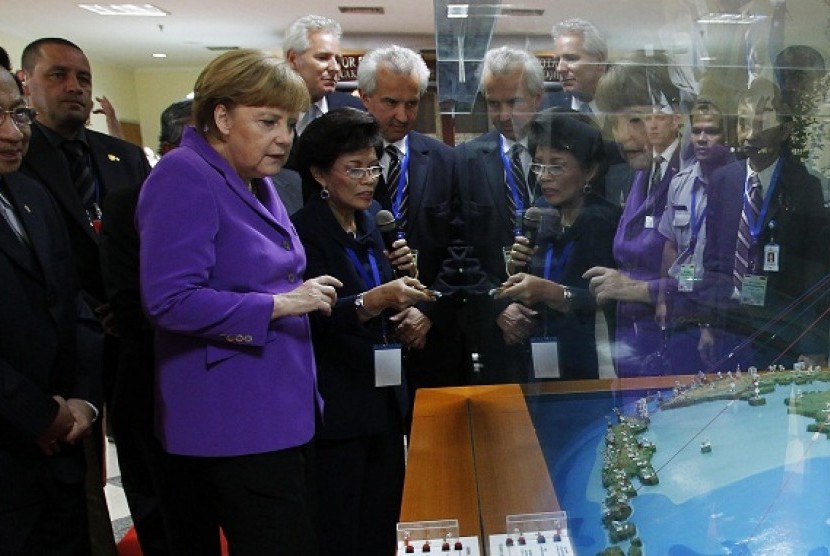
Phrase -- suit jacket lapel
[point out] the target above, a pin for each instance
(495, 180)
(419, 170)
(22, 254)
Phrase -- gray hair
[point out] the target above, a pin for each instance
(398, 60)
(296, 36)
(505, 59)
(592, 41)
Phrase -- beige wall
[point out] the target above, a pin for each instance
(138, 96)
(155, 90)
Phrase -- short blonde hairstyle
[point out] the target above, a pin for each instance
(246, 77)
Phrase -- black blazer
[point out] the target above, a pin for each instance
(342, 345)
(591, 238)
(486, 214)
(801, 227)
(38, 354)
(117, 164)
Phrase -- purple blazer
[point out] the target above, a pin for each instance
(230, 380)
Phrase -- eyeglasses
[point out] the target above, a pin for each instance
(360, 173)
(20, 116)
(550, 169)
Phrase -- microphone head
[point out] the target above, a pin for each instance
(532, 218)
(385, 221)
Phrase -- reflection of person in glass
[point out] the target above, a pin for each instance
(566, 154)
(684, 226)
(645, 104)
(360, 463)
(774, 308)
(221, 280)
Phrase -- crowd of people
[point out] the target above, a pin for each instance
(257, 312)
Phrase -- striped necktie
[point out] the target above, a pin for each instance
(518, 178)
(656, 174)
(80, 172)
(749, 215)
(393, 175)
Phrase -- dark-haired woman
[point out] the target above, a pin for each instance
(359, 442)
(576, 232)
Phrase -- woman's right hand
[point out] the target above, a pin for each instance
(397, 294)
(315, 294)
(520, 254)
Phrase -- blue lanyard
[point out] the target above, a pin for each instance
(368, 281)
(758, 225)
(514, 188)
(398, 200)
(555, 273)
(697, 219)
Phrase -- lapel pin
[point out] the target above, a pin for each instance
(113, 158)
(27, 209)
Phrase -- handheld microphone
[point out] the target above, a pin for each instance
(530, 225)
(387, 224)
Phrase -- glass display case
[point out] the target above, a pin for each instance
(736, 463)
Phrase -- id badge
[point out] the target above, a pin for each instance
(772, 252)
(753, 290)
(545, 354)
(387, 365)
(686, 278)
(649, 222)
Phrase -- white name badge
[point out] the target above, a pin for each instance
(545, 354)
(650, 222)
(772, 253)
(388, 365)
(686, 278)
(754, 290)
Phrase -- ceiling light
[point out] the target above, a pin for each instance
(159, 55)
(457, 11)
(361, 10)
(522, 12)
(730, 19)
(147, 10)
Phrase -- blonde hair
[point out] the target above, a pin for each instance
(246, 77)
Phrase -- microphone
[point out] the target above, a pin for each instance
(387, 224)
(530, 224)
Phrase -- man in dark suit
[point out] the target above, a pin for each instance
(48, 401)
(312, 47)
(495, 187)
(417, 188)
(755, 267)
(581, 56)
(290, 189)
(79, 167)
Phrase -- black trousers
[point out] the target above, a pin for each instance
(360, 482)
(260, 501)
(54, 526)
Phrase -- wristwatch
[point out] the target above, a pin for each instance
(361, 308)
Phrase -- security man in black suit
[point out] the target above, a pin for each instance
(80, 167)
(47, 400)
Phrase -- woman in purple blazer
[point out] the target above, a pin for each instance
(222, 281)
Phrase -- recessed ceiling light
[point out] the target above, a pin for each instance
(361, 10)
(159, 55)
(457, 11)
(731, 19)
(147, 10)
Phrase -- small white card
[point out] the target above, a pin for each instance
(388, 365)
(545, 354)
